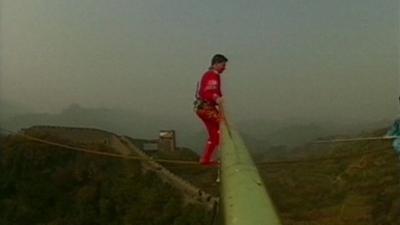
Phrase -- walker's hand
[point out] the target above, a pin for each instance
(221, 113)
(222, 117)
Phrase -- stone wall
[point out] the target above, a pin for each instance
(126, 146)
(73, 134)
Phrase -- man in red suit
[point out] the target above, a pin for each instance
(208, 106)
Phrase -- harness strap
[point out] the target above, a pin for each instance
(197, 95)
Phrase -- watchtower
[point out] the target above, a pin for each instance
(167, 140)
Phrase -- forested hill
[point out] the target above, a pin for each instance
(44, 184)
(349, 183)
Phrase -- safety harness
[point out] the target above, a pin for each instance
(198, 102)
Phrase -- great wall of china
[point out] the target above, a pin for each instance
(125, 145)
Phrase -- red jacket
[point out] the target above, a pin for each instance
(210, 87)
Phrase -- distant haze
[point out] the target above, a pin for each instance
(316, 60)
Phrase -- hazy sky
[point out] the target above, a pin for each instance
(290, 58)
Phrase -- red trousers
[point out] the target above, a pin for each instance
(210, 115)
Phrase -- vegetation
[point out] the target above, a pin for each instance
(42, 184)
(361, 189)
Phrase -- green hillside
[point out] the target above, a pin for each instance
(358, 185)
(43, 184)
(355, 183)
